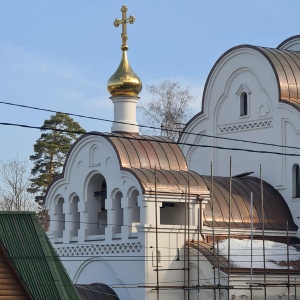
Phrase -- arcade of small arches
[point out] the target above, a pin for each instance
(99, 216)
(95, 216)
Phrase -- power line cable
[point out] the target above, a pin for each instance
(150, 127)
(150, 140)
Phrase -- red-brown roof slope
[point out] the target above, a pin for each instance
(286, 65)
(276, 212)
(137, 151)
(140, 155)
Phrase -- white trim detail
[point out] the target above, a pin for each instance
(245, 126)
(99, 249)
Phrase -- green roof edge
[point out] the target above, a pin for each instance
(34, 257)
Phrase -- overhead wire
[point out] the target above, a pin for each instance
(149, 139)
(149, 127)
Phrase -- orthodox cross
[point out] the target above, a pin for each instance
(124, 22)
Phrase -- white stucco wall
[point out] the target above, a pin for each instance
(245, 70)
(121, 254)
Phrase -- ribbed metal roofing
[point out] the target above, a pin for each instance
(137, 151)
(276, 211)
(169, 181)
(34, 258)
(286, 65)
(140, 155)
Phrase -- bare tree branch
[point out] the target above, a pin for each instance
(14, 179)
(168, 110)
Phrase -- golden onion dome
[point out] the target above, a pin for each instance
(124, 82)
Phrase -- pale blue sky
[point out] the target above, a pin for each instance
(59, 54)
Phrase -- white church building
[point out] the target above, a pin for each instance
(144, 214)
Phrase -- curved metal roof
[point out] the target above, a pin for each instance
(286, 65)
(276, 211)
(137, 151)
(96, 291)
(140, 155)
(170, 181)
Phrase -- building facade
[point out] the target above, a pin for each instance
(143, 214)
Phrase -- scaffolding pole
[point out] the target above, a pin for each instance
(251, 236)
(156, 235)
(213, 224)
(229, 223)
(288, 256)
(198, 252)
(263, 227)
(188, 230)
(184, 249)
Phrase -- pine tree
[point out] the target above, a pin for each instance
(51, 149)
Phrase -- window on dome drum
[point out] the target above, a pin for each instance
(296, 181)
(244, 104)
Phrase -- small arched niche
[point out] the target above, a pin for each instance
(97, 213)
(75, 216)
(133, 210)
(59, 219)
(118, 217)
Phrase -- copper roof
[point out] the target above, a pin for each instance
(140, 155)
(276, 211)
(169, 181)
(137, 151)
(286, 65)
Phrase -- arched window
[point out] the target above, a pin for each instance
(134, 211)
(118, 213)
(75, 216)
(244, 104)
(296, 181)
(60, 217)
(97, 214)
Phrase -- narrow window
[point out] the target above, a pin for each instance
(244, 104)
(296, 181)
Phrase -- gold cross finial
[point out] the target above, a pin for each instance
(124, 21)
